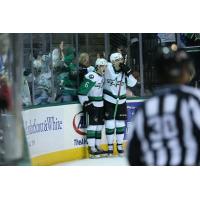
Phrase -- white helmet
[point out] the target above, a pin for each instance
(100, 61)
(115, 56)
(100, 65)
(116, 60)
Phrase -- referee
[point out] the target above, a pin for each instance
(167, 127)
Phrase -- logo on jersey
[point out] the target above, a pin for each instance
(99, 85)
(106, 114)
(114, 82)
(79, 123)
(96, 119)
(91, 76)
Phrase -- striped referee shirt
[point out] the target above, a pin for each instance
(167, 129)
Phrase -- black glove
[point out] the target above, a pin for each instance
(127, 70)
(87, 106)
(27, 72)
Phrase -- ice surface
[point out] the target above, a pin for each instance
(113, 161)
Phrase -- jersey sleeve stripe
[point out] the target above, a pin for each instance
(114, 96)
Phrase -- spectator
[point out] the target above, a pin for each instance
(28, 73)
(5, 89)
(101, 55)
(42, 79)
(58, 63)
(129, 93)
(25, 92)
(123, 50)
(84, 65)
(67, 80)
(5, 94)
(58, 56)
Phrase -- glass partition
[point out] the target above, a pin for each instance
(54, 62)
(12, 140)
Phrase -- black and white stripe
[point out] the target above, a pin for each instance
(167, 129)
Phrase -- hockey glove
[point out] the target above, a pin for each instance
(87, 106)
(127, 70)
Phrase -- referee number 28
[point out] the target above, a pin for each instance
(162, 127)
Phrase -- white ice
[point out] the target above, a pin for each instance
(113, 161)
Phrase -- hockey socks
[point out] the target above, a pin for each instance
(93, 153)
(110, 149)
(120, 134)
(101, 152)
(94, 141)
(110, 135)
(97, 138)
(91, 138)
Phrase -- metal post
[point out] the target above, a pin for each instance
(128, 49)
(53, 91)
(44, 43)
(32, 70)
(141, 65)
(107, 44)
(72, 39)
(87, 42)
(77, 55)
(14, 138)
(18, 61)
(178, 40)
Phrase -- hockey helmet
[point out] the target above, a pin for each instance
(116, 59)
(100, 61)
(100, 65)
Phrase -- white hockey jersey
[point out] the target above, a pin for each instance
(112, 83)
(90, 69)
(91, 89)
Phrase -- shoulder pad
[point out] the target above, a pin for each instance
(91, 76)
(109, 67)
(90, 69)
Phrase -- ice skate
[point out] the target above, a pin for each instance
(93, 153)
(120, 150)
(101, 152)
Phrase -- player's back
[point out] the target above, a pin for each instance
(167, 129)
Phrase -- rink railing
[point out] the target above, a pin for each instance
(55, 133)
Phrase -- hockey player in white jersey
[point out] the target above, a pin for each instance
(117, 76)
(91, 98)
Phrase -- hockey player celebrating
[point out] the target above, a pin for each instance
(91, 98)
(117, 76)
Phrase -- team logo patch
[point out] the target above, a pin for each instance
(96, 119)
(106, 114)
(91, 76)
(122, 115)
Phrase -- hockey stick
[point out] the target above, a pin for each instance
(120, 85)
(85, 118)
(118, 95)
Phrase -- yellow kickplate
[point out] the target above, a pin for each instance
(64, 156)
